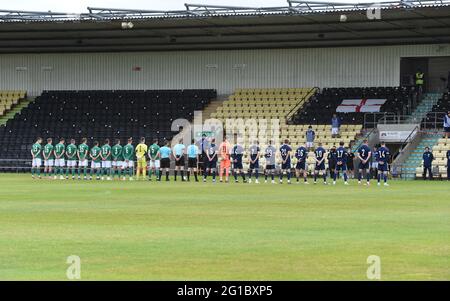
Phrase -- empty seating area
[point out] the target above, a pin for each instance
(323, 105)
(8, 99)
(262, 103)
(439, 153)
(443, 104)
(435, 119)
(99, 115)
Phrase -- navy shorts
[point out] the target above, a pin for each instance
(364, 165)
(238, 165)
(286, 165)
(320, 166)
(204, 160)
(212, 164)
(301, 165)
(270, 167)
(447, 129)
(342, 167)
(254, 165)
(382, 167)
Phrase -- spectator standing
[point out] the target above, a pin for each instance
(419, 81)
(447, 125)
(335, 125)
(427, 163)
(310, 136)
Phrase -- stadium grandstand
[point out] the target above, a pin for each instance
(383, 70)
(224, 144)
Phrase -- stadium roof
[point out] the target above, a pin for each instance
(201, 27)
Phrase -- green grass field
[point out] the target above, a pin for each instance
(204, 231)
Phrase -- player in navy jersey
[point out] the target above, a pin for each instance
(300, 168)
(254, 153)
(320, 163)
(237, 152)
(211, 155)
(374, 169)
(341, 163)
(332, 161)
(383, 160)
(285, 151)
(364, 155)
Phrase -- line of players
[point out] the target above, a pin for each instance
(117, 160)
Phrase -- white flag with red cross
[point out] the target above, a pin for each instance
(364, 105)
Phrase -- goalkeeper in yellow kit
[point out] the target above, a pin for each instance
(141, 152)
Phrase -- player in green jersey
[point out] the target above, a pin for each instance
(71, 154)
(117, 157)
(49, 157)
(128, 156)
(154, 156)
(96, 160)
(82, 153)
(36, 153)
(60, 150)
(106, 160)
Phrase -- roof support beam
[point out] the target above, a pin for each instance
(201, 10)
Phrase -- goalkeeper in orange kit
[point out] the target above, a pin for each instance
(225, 160)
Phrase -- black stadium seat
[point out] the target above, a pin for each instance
(322, 106)
(436, 117)
(97, 115)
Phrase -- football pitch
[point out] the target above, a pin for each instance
(204, 231)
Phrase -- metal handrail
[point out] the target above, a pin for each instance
(407, 140)
(290, 114)
(437, 123)
(375, 121)
(365, 136)
(398, 119)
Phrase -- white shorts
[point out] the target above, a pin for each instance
(50, 163)
(375, 165)
(117, 164)
(37, 162)
(71, 163)
(155, 164)
(60, 162)
(309, 144)
(334, 131)
(128, 164)
(96, 164)
(83, 163)
(106, 164)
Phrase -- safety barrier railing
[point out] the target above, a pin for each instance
(433, 121)
(371, 119)
(301, 102)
